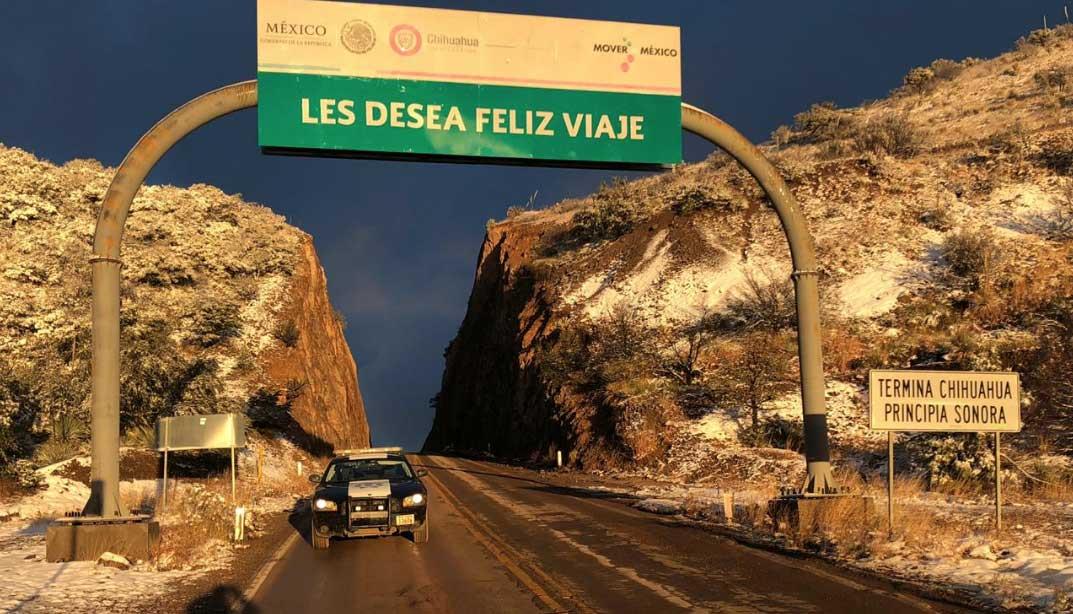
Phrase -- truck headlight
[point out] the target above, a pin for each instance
(324, 505)
(414, 500)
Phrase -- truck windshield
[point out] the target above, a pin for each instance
(367, 469)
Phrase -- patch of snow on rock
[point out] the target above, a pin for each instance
(875, 291)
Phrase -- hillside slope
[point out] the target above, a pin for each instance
(620, 328)
(225, 308)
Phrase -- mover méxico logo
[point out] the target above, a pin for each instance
(626, 47)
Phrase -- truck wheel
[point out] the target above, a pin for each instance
(421, 535)
(319, 543)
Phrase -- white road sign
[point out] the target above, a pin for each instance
(969, 401)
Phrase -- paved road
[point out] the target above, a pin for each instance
(505, 540)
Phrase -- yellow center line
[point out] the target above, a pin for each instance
(506, 554)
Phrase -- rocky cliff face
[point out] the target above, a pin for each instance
(492, 398)
(329, 405)
(621, 327)
(225, 309)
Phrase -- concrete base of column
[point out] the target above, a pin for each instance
(85, 539)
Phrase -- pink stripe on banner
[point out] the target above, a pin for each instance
(416, 73)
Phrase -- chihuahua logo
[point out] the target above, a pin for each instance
(358, 36)
(405, 39)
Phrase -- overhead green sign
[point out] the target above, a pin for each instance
(382, 81)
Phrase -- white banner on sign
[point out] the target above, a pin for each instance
(944, 401)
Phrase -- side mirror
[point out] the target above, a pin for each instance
(421, 473)
(315, 478)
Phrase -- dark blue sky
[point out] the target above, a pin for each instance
(84, 79)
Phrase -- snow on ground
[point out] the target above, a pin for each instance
(33, 585)
(1038, 580)
(659, 506)
(875, 291)
(57, 498)
(1022, 568)
(847, 417)
(668, 293)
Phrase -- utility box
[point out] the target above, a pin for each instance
(87, 538)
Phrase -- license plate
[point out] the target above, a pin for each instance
(404, 519)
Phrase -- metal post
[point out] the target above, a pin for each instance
(104, 446)
(890, 484)
(167, 444)
(998, 482)
(820, 479)
(233, 498)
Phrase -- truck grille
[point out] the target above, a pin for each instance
(369, 512)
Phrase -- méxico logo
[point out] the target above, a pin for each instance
(405, 39)
(358, 36)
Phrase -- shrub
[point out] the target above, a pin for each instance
(140, 436)
(971, 256)
(515, 210)
(946, 70)
(894, 135)
(340, 318)
(1056, 154)
(1014, 141)
(824, 121)
(918, 81)
(287, 333)
(754, 373)
(937, 218)
(54, 450)
(1054, 79)
(25, 476)
(1058, 224)
(948, 459)
(689, 199)
(613, 214)
(589, 355)
(775, 432)
(782, 136)
(762, 305)
(1043, 38)
(158, 380)
(216, 323)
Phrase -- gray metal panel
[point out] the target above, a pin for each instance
(201, 432)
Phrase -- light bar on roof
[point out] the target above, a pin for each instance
(385, 450)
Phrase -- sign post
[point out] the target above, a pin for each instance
(201, 432)
(998, 481)
(164, 498)
(890, 484)
(944, 401)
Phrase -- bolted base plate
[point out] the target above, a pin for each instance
(86, 538)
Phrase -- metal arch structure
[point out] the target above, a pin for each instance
(104, 470)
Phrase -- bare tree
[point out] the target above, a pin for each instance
(756, 373)
(685, 345)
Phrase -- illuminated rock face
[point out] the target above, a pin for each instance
(225, 309)
(940, 217)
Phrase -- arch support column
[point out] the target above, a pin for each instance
(104, 469)
(104, 419)
(820, 479)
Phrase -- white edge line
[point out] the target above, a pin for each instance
(266, 569)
